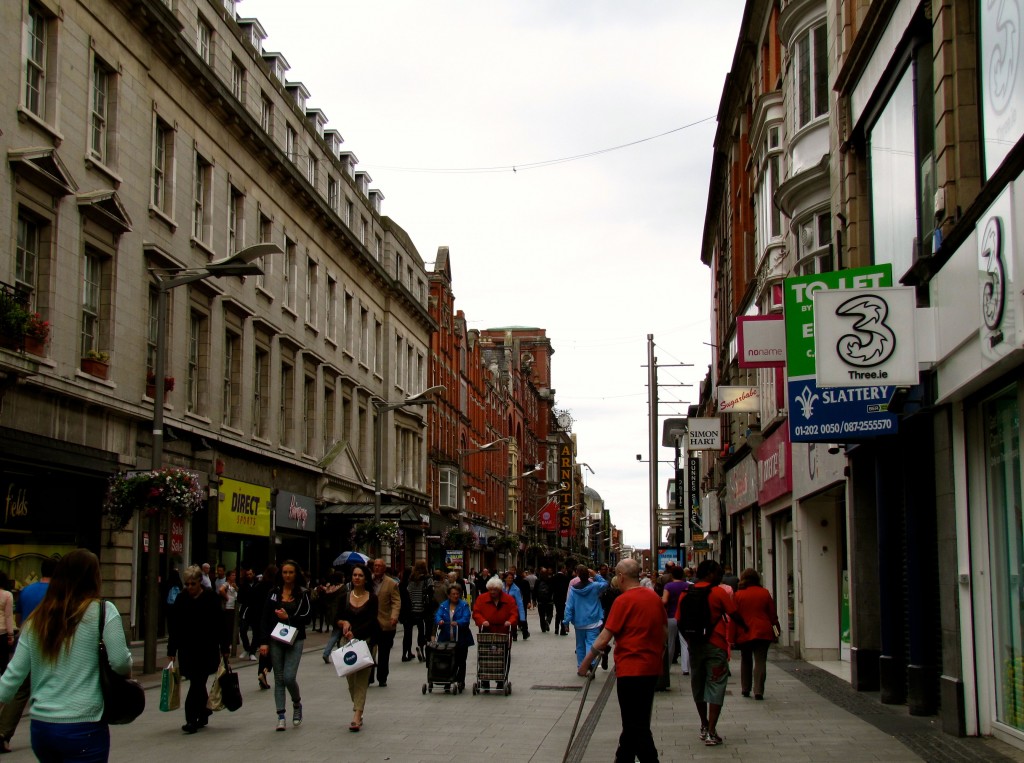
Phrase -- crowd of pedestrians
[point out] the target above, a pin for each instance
(694, 618)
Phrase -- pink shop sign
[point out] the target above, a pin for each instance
(774, 466)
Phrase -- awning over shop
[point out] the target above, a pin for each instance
(403, 513)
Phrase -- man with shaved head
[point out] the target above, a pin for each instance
(639, 625)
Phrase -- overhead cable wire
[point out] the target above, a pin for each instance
(536, 165)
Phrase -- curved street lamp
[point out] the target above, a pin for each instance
(420, 398)
(241, 263)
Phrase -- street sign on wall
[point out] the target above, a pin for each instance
(738, 400)
(829, 414)
(762, 341)
(704, 434)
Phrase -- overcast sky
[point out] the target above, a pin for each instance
(441, 100)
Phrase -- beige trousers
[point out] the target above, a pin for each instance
(359, 682)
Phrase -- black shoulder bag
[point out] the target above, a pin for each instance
(124, 699)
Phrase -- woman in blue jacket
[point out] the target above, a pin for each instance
(512, 590)
(583, 609)
(452, 621)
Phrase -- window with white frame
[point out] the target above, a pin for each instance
(232, 380)
(27, 252)
(378, 248)
(237, 80)
(378, 347)
(204, 40)
(152, 329)
(811, 70)
(38, 63)
(101, 111)
(399, 357)
(349, 317)
(448, 488)
(312, 291)
(286, 418)
(201, 206)
(260, 391)
(266, 236)
(312, 169)
(266, 114)
(289, 272)
(330, 411)
(364, 336)
(332, 193)
(814, 244)
(769, 227)
(308, 413)
(236, 219)
(92, 289)
(331, 327)
(364, 228)
(291, 143)
(162, 192)
(349, 213)
(198, 357)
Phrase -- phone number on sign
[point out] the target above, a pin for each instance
(845, 427)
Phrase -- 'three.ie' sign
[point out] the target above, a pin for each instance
(704, 434)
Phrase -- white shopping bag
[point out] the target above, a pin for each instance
(286, 634)
(351, 657)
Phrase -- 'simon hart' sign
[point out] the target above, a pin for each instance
(704, 434)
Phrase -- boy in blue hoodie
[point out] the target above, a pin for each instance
(583, 609)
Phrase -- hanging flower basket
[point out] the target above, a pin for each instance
(456, 538)
(538, 549)
(506, 543)
(372, 532)
(170, 490)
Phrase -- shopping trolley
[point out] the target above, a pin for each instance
(493, 660)
(441, 662)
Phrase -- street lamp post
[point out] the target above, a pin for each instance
(241, 263)
(420, 398)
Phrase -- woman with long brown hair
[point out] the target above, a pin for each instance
(59, 650)
(288, 603)
(357, 617)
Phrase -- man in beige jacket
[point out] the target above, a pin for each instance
(390, 605)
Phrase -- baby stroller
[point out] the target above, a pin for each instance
(441, 663)
(493, 660)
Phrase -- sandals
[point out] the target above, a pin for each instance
(264, 683)
(354, 727)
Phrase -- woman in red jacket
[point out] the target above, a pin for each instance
(757, 609)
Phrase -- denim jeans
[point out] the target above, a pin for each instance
(70, 742)
(332, 641)
(285, 660)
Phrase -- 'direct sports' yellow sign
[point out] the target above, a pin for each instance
(243, 508)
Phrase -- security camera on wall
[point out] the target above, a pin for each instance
(834, 448)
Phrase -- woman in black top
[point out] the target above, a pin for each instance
(289, 604)
(357, 619)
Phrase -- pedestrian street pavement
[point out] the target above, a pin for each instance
(799, 720)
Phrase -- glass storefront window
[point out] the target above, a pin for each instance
(1001, 422)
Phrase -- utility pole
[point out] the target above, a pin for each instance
(652, 460)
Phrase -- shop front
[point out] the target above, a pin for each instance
(243, 525)
(52, 502)
(775, 523)
(295, 531)
(738, 549)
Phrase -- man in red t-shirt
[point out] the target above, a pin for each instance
(638, 623)
(709, 659)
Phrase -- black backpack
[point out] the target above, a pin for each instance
(695, 615)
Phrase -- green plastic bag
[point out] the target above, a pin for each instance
(170, 689)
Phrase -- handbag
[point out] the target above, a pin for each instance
(286, 634)
(230, 692)
(170, 688)
(351, 657)
(215, 700)
(124, 699)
